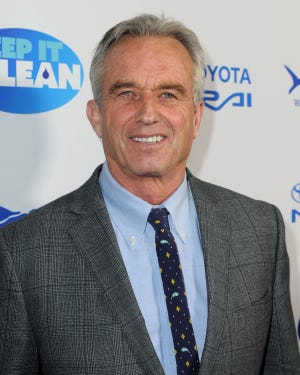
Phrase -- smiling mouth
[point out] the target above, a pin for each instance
(152, 140)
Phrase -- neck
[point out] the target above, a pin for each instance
(152, 189)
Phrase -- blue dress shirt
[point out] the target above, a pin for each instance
(136, 239)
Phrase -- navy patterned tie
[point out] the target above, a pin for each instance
(185, 347)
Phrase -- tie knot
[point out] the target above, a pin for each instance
(158, 218)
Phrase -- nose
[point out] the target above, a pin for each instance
(147, 111)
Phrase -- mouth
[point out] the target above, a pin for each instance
(150, 140)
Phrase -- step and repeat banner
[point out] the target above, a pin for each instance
(250, 135)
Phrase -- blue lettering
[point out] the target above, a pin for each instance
(249, 99)
(295, 213)
(210, 96)
(237, 99)
(24, 46)
(8, 48)
(245, 76)
(226, 74)
(240, 99)
(51, 47)
(235, 70)
(54, 48)
(14, 48)
(212, 71)
(42, 50)
(226, 77)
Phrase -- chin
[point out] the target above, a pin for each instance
(148, 173)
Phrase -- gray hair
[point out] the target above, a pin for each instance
(149, 25)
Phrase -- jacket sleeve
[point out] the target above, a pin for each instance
(18, 352)
(282, 355)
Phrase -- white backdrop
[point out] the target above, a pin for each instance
(248, 145)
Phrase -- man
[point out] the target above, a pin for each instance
(83, 289)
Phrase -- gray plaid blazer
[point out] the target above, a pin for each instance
(67, 306)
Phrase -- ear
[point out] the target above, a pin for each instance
(95, 117)
(199, 108)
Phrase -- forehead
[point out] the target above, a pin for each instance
(148, 56)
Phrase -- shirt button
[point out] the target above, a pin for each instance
(183, 234)
(132, 240)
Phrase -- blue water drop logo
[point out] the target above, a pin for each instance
(46, 74)
(38, 73)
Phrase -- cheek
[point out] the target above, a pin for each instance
(119, 117)
(184, 127)
(114, 134)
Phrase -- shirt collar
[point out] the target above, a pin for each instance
(129, 211)
(178, 206)
(126, 209)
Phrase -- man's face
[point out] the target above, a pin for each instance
(147, 120)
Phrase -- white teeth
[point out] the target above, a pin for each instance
(154, 139)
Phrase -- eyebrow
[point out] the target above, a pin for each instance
(171, 86)
(163, 86)
(120, 85)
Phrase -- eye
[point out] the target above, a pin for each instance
(168, 95)
(126, 93)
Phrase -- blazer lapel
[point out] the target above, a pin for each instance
(215, 231)
(96, 241)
